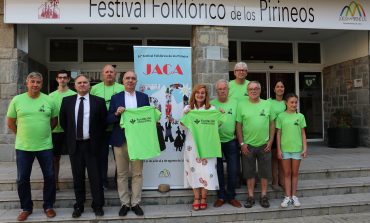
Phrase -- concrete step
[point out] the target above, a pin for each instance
(179, 213)
(334, 173)
(307, 188)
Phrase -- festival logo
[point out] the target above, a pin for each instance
(353, 13)
(165, 173)
(49, 10)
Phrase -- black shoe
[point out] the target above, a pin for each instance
(123, 211)
(250, 202)
(77, 212)
(264, 202)
(137, 209)
(98, 211)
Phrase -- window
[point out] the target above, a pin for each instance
(109, 50)
(267, 51)
(63, 50)
(162, 42)
(309, 53)
(232, 51)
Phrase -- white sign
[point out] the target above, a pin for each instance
(338, 14)
(164, 73)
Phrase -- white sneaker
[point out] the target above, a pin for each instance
(285, 202)
(296, 202)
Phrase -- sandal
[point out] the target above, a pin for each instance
(196, 206)
(203, 205)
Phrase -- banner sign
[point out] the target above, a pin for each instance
(318, 14)
(164, 73)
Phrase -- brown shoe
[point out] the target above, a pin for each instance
(24, 215)
(235, 203)
(50, 213)
(218, 203)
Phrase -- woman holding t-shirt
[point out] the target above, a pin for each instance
(277, 106)
(292, 147)
(199, 174)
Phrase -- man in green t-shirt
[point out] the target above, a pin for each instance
(238, 87)
(63, 77)
(255, 131)
(106, 89)
(32, 116)
(229, 146)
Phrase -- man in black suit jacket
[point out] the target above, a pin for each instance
(83, 118)
(119, 102)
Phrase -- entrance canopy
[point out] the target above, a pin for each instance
(317, 14)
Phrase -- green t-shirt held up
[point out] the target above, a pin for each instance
(57, 98)
(33, 121)
(203, 125)
(291, 125)
(238, 91)
(140, 126)
(227, 130)
(255, 118)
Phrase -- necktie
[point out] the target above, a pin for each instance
(80, 119)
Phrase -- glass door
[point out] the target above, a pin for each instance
(288, 80)
(310, 92)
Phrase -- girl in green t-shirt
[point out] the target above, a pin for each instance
(291, 146)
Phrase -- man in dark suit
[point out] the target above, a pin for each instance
(83, 118)
(119, 102)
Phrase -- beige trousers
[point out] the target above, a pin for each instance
(123, 162)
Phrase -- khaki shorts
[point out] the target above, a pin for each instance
(263, 159)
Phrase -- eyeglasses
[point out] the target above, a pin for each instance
(240, 70)
(254, 89)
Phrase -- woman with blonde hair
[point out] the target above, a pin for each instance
(199, 173)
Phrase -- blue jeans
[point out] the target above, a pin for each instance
(24, 167)
(230, 151)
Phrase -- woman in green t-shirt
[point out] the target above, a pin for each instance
(291, 147)
(277, 106)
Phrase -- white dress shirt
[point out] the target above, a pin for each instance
(130, 100)
(86, 117)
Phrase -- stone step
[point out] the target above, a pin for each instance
(307, 188)
(334, 173)
(179, 213)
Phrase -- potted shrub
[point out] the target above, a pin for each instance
(341, 134)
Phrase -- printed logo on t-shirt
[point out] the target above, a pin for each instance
(204, 121)
(296, 122)
(262, 113)
(42, 108)
(141, 120)
(230, 112)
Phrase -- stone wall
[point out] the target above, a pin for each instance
(208, 71)
(340, 93)
(13, 68)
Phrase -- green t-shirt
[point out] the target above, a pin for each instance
(277, 107)
(255, 118)
(141, 132)
(291, 125)
(106, 92)
(238, 91)
(227, 130)
(33, 121)
(203, 125)
(57, 98)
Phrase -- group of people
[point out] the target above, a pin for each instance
(86, 123)
(266, 136)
